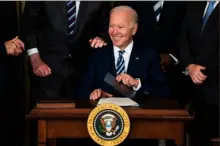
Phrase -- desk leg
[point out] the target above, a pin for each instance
(52, 142)
(179, 134)
(42, 136)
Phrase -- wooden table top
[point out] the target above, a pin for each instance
(150, 108)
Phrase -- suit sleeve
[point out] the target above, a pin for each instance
(174, 28)
(185, 54)
(31, 20)
(2, 49)
(87, 84)
(155, 83)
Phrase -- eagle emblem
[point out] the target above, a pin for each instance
(108, 124)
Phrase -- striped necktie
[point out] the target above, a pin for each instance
(71, 15)
(208, 13)
(120, 65)
(157, 9)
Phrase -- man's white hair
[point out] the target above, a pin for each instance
(126, 8)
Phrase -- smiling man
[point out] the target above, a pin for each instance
(134, 66)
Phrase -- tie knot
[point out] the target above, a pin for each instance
(156, 2)
(121, 52)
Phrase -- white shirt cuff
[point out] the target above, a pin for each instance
(139, 85)
(32, 51)
(175, 59)
(186, 72)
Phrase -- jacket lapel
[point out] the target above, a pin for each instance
(212, 15)
(81, 18)
(153, 12)
(63, 17)
(112, 62)
(133, 62)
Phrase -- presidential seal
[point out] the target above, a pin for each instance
(108, 125)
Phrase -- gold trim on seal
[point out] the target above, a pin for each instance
(115, 109)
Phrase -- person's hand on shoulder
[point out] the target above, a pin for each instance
(97, 42)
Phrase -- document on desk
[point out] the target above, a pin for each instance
(120, 101)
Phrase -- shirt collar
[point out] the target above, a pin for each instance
(128, 49)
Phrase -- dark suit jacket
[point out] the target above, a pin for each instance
(143, 64)
(45, 26)
(2, 49)
(8, 31)
(3, 68)
(202, 47)
(9, 25)
(160, 35)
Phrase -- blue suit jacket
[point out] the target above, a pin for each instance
(144, 64)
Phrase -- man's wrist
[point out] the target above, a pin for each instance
(190, 66)
(32, 51)
(187, 69)
(35, 56)
(137, 85)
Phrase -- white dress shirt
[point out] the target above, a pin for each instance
(126, 55)
(216, 2)
(35, 50)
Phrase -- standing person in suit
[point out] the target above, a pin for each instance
(10, 47)
(132, 64)
(58, 36)
(159, 27)
(199, 51)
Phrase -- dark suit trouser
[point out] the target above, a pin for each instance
(179, 84)
(205, 125)
(206, 120)
(58, 85)
(55, 86)
(8, 115)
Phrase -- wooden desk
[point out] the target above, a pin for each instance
(154, 119)
(216, 141)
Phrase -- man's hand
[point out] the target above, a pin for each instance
(39, 67)
(97, 93)
(127, 80)
(195, 73)
(14, 46)
(97, 42)
(165, 60)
